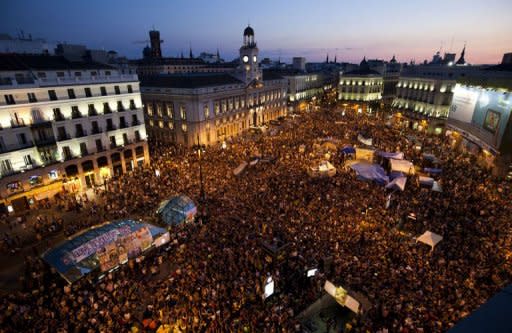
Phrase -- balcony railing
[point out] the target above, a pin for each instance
(122, 125)
(111, 128)
(8, 148)
(101, 149)
(44, 141)
(113, 145)
(136, 123)
(92, 112)
(68, 157)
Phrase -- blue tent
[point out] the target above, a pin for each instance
(177, 210)
(370, 172)
(395, 174)
(398, 155)
(348, 150)
(77, 256)
(433, 170)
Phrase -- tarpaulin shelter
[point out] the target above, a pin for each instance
(395, 174)
(348, 149)
(370, 172)
(177, 210)
(429, 238)
(434, 171)
(397, 184)
(403, 166)
(426, 181)
(396, 156)
(103, 247)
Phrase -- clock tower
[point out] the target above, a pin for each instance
(249, 68)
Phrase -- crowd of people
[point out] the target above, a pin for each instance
(212, 277)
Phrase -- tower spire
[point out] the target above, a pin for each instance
(461, 60)
(327, 59)
(190, 55)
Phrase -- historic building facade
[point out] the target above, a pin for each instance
(65, 126)
(212, 107)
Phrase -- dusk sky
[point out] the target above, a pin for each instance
(349, 29)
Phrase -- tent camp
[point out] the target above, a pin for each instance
(364, 154)
(426, 181)
(324, 169)
(397, 184)
(429, 238)
(239, 169)
(403, 166)
(177, 210)
(370, 172)
(103, 247)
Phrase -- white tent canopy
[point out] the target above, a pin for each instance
(429, 238)
(342, 297)
(403, 166)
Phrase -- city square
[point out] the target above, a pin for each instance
(263, 194)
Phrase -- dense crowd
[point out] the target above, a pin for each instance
(217, 267)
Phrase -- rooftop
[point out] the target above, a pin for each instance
(190, 80)
(20, 62)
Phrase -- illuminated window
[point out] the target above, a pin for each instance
(183, 112)
(184, 127)
(170, 110)
(151, 122)
(216, 107)
(242, 102)
(206, 111)
(160, 124)
(159, 109)
(224, 105)
(150, 109)
(171, 125)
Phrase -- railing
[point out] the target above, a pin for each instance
(92, 112)
(101, 149)
(111, 128)
(84, 152)
(59, 117)
(136, 123)
(113, 145)
(76, 115)
(8, 148)
(122, 125)
(45, 141)
(19, 123)
(68, 157)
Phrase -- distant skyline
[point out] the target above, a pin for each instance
(350, 30)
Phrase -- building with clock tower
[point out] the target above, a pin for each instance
(249, 70)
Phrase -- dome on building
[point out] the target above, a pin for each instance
(393, 60)
(248, 31)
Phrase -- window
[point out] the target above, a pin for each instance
(57, 115)
(160, 124)
(113, 141)
(99, 145)
(135, 120)
(32, 97)
(150, 109)
(9, 99)
(22, 139)
(66, 153)
(95, 127)
(60, 74)
(75, 112)
(120, 106)
(71, 93)
(206, 111)
(83, 149)
(184, 127)
(78, 74)
(52, 95)
(130, 89)
(88, 92)
(107, 73)
(170, 110)
(137, 135)
(125, 139)
(28, 160)
(117, 90)
(92, 110)
(94, 73)
(158, 109)
(183, 112)
(79, 131)
(122, 122)
(171, 125)
(6, 167)
(106, 108)
(103, 91)
(132, 105)
(41, 75)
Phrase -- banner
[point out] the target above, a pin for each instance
(463, 104)
(92, 246)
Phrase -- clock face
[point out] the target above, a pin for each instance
(245, 59)
(254, 59)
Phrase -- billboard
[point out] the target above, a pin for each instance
(485, 109)
(463, 104)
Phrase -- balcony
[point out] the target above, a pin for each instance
(59, 117)
(107, 111)
(63, 137)
(80, 134)
(92, 112)
(9, 148)
(97, 79)
(96, 130)
(68, 157)
(17, 123)
(135, 123)
(84, 152)
(76, 115)
(113, 145)
(41, 142)
(111, 128)
(101, 149)
(122, 125)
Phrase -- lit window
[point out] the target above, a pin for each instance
(184, 127)
(183, 112)
(206, 111)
